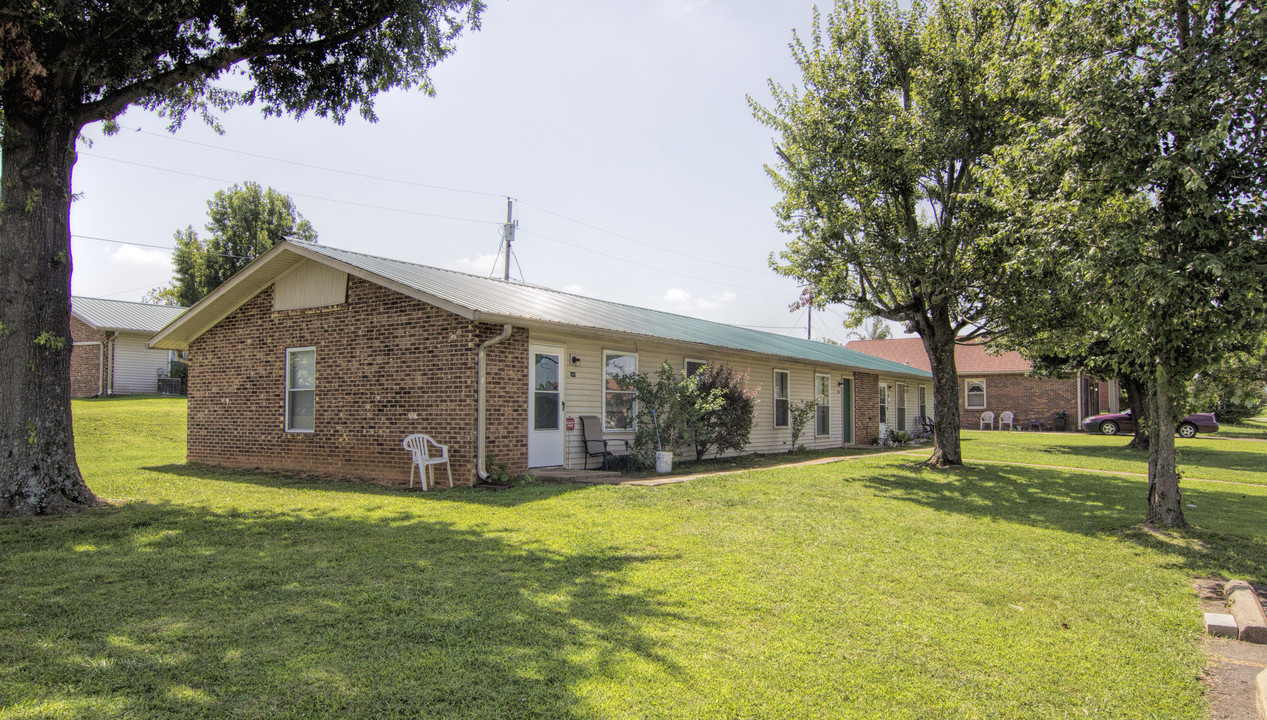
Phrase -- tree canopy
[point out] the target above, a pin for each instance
(66, 65)
(244, 221)
(881, 153)
(1145, 192)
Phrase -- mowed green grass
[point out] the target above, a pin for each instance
(867, 588)
(1203, 457)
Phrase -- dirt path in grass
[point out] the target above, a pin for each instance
(1123, 473)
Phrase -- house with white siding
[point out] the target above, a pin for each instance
(320, 360)
(111, 355)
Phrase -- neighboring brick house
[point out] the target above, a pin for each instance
(319, 360)
(999, 383)
(110, 355)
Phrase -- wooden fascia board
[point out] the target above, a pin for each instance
(248, 275)
(244, 277)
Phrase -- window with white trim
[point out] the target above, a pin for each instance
(884, 404)
(618, 394)
(822, 388)
(974, 394)
(923, 402)
(782, 383)
(301, 389)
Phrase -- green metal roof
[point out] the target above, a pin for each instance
(120, 315)
(510, 301)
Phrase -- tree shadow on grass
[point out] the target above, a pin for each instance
(1191, 456)
(153, 609)
(1228, 537)
(515, 495)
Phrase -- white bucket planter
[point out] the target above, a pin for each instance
(664, 462)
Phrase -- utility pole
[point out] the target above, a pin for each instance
(508, 231)
(809, 318)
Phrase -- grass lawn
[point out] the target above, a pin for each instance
(866, 588)
(1255, 428)
(1203, 457)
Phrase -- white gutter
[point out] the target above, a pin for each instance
(479, 402)
(1079, 425)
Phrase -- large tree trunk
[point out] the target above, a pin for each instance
(939, 342)
(1137, 398)
(38, 471)
(1164, 502)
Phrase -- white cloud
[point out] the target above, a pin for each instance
(677, 296)
(144, 257)
(479, 265)
(679, 8)
(575, 289)
(684, 302)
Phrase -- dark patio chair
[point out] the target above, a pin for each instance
(598, 446)
(926, 424)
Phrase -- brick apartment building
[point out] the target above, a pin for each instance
(999, 383)
(110, 355)
(319, 360)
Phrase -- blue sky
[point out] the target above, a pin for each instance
(620, 128)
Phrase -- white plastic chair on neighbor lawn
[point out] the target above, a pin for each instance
(987, 420)
(1006, 419)
(424, 450)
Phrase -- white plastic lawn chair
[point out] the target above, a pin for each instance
(1006, 419)
(423, 449)
(987, 420)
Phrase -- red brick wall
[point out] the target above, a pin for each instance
(866, 407)
(1028, 397)
(386, 365)
(86, 360)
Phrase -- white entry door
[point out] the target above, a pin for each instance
(545, 406)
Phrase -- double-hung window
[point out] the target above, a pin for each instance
(974, 394)
(822, 388)
(923, 403)
(301, 389)
(618, 394)
(782, 384)
(884, 404)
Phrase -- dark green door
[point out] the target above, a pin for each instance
(846, 391)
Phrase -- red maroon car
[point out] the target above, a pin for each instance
(1114, 423)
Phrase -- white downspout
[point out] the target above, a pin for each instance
(1079, 425)
(479, 402)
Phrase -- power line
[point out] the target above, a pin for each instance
(642, 242)
(649, 267)
(310, 197)
(380, 178)
(156, 247)
(314, 167)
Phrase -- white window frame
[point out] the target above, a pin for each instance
(289, 390)
(822, 391)
(884, 403)
(923, 401)
(967, 398)
(787, 399)
(634, 407)
(686, 363)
